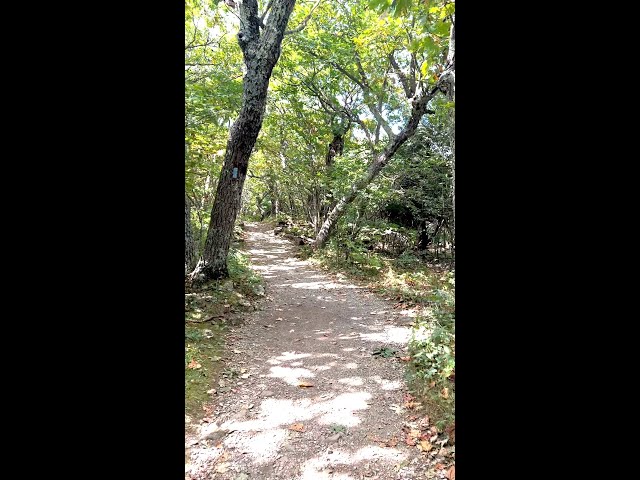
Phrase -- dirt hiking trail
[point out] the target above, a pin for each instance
(312, 402)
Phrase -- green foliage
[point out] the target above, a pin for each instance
(337, 428)
(241, 272)
(316, 94)
(384, 352)
(203, 350)
(432, 352)
(407, 260)
(193, 335)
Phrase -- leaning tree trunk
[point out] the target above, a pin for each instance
(260, 51)
(189, 244)
(419, 108)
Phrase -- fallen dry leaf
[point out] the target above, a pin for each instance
(297, 427)
(222, 467)
(412, 437)
(305, 385)
(445, 392)
(425, 446)
(193, 365)
(411, 441)
(392, 442)
(439, 466)
(452, 434)
(405, 359)
(451, 474)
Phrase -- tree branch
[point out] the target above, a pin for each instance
(412, 73)
(384, 84)
(401, 76)
(189, 47)
(330, 107)
(367, 96)
(451, 55)
(303, 24)
(366, 90)
(266, 10)
(251, 175)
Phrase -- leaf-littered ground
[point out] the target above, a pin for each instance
(309, 399)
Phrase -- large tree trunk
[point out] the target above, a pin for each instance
(189, 244)
(261, 52)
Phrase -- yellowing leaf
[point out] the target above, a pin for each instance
(424, 69)
(425, 446)
(194, 365)
(297, 427)
(412, 437)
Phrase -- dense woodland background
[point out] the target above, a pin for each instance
(354, 156)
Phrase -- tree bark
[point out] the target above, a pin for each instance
(189, 244)
(261, 51)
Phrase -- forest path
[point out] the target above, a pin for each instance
(318, 330)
